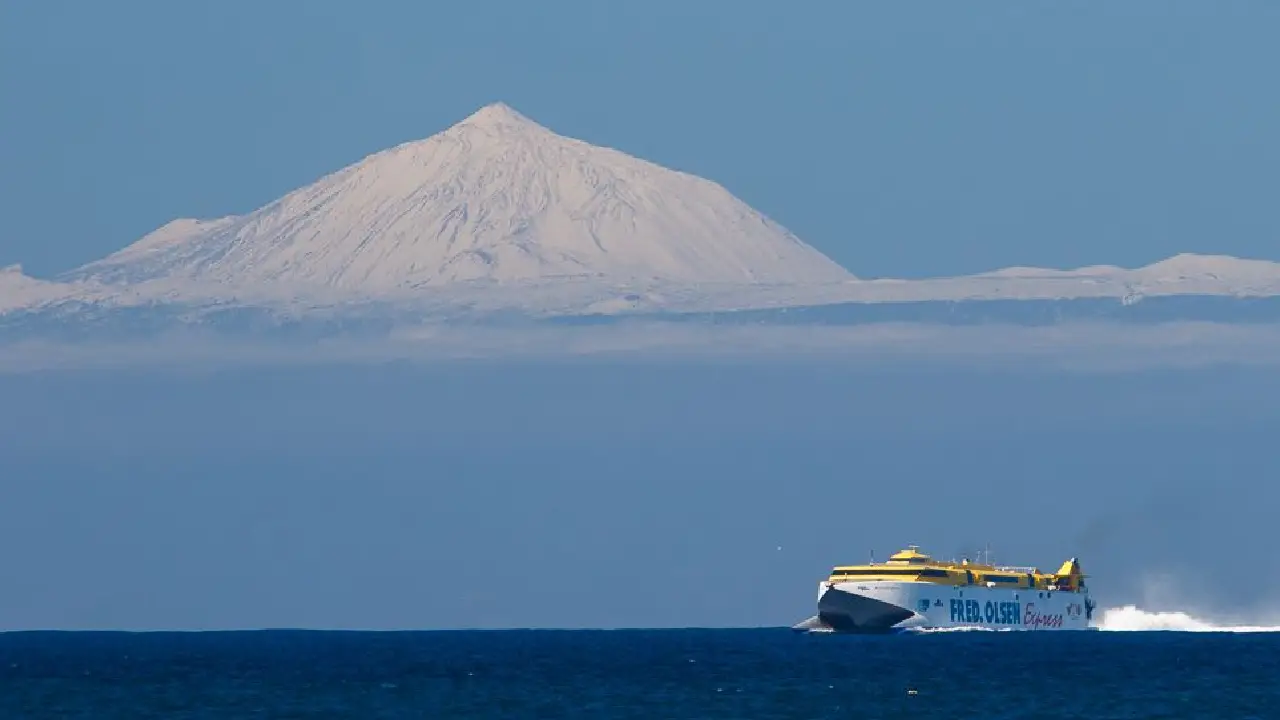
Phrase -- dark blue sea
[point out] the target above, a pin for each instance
(638, 674)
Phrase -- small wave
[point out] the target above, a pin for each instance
(1133, 619)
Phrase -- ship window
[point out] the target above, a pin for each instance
(923, 572)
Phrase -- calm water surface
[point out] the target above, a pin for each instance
(638, 674)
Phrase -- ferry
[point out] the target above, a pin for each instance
(913, 591)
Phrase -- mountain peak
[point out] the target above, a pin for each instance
(498, 116)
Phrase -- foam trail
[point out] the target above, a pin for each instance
(1133, 619)
(930, 630)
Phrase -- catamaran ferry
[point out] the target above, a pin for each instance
(913, 591)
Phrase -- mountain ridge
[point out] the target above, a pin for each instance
(1185, 274)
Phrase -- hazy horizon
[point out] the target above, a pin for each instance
(610, 493)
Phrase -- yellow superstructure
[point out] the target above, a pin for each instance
(912, 565)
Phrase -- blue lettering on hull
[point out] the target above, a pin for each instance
(991, 612)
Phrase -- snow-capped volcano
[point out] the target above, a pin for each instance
(548, 226)
(495, 197)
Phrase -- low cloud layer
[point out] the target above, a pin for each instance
(1081, 346)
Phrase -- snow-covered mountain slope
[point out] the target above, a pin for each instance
(1182, 274)
(1181, 268)
(496, 197)
(18, 290)
(1190, 267)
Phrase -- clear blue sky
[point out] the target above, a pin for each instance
(902, 139)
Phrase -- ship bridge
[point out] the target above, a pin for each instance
(910, 556)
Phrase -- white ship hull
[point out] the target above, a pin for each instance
(889, 605)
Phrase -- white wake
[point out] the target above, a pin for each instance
(1133, 619)
(929, 630)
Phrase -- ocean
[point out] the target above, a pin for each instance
(757, 673)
